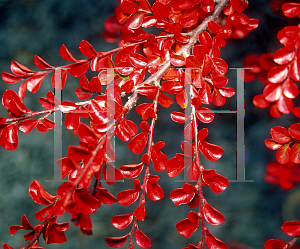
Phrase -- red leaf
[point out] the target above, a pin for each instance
(40, 63)
(27, 126)
(6, 246)
(34, 82)
(205, 39)
(116, 242)
(219, 81)
(154, 191)
(41, 127)
(160, 11)
(39, 195)
(259, 101)
(213, 243)
(212, 152)
(127, 197)
(275, 244)
(213, 26)
(9, 137)
(291, 9)
(99, 64)
(179, 117)
(225, 32)
(112, 25)
(111, 174)
(164, 100)
(85, 201)
(275, 113)
(219, 67)
(227, 92)
(294, 153)
(121, 221)
(280, 134)
(271, 144)
(82, 94)
(205, 115)
(2, 120)
(145, 5)
(78, 154)
(123, 54)
(78, 69)
(284, 105)
(212, 215)
(22, 90)
(290, 89)
(20, 70)
(141, 239)
(296, 111)
(175, 167)
(282, 155)
(122, 132)
(95, 85)
(135, 20)
(44, 213)
(294, 71)
(129, 7)
(64, 53)
(159, 159)
(239, 5)
(104, 196)
(138, 143)
(179, 196)
(59, 79)
(86, 134)
(207, 5)
(138, 60)
(294, 130)
(193, 62)
(146, 110)
(277, 74)
(139, 212)
(189, 225)
(216, 182)
(10, 78)
(122, 18)
(147, 90)
(282, 56)
(291, 228)
(87, 49)
(182, 4)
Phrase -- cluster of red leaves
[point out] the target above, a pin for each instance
(175, 17)
(286, 175)
(286, 172)
(193, 33)
(291, 228)
(280, 70)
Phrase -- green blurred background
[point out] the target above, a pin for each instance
(254, 211)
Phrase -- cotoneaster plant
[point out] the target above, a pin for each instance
(178, 65)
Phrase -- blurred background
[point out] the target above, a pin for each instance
(254, 211)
